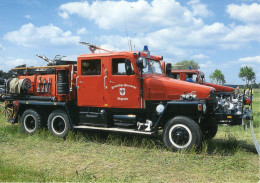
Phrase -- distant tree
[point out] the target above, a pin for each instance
(247, 74)
(255, 85)
(218, 77)
(2, 81)
(186, 64)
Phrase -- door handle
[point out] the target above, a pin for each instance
(77, 82)
(105, 82)
(111, 82)
(80, 82)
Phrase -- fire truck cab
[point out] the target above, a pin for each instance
(103, 81)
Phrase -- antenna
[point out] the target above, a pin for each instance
(129, 41)
(93, 47)
(131, 45)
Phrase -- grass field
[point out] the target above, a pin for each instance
(86, 156)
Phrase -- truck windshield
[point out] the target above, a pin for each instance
(153, 67)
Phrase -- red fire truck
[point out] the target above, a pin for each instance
(196, 76)
(126, 92)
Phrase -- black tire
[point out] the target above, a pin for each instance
(31, 121)
(58, 123)
(210, 132)
(182, 133)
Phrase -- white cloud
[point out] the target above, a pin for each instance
(164, 25)
(28, 17)
(137, 15)
(29, 35)
(2, 48)
(242, 33)
(64, 15)
(252, 60)
(245, 13)
(208, 64)
(199, 9)
(82, 31)
(9, 63)
(200, 56)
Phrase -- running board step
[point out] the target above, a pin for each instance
(113, 129)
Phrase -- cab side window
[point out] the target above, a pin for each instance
(191, 78)
(118, 66)
(175, 76)
(91, 67)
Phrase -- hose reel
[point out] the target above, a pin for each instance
(18, 86)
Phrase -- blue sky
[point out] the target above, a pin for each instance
(218, 34)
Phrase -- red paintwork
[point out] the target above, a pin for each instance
(117, 91)
(35, 81)
(158, 87)
(248, 101)
(104, 90)
(52, 87)
(219, 88)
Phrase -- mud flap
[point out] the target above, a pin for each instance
(257, 146)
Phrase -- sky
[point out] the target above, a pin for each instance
(218, 34)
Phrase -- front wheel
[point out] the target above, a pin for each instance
(58, 123)
(182, 133)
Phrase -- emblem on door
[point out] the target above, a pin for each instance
(122, 91)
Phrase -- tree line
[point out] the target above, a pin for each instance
(9, 74)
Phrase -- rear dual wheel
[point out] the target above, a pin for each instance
(182, 133)
(58, 123)
(31, 121)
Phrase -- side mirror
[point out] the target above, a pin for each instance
(128, 67)
(168, 68)
(141, 62)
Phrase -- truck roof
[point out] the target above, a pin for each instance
(123, 53)
(186, 71)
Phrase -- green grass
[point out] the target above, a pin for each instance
(89, 157)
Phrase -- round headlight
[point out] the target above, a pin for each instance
(204, 108)
(159, 108)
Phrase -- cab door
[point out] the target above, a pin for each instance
(89, 83)
(124, 90)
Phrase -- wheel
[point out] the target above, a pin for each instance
(31, 121)
(58, 123)
(182, 133)
(210, 132)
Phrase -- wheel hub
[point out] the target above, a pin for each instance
(58, 125)
(30, 123)
(180, 136)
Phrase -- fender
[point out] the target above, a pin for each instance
(193, 109)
